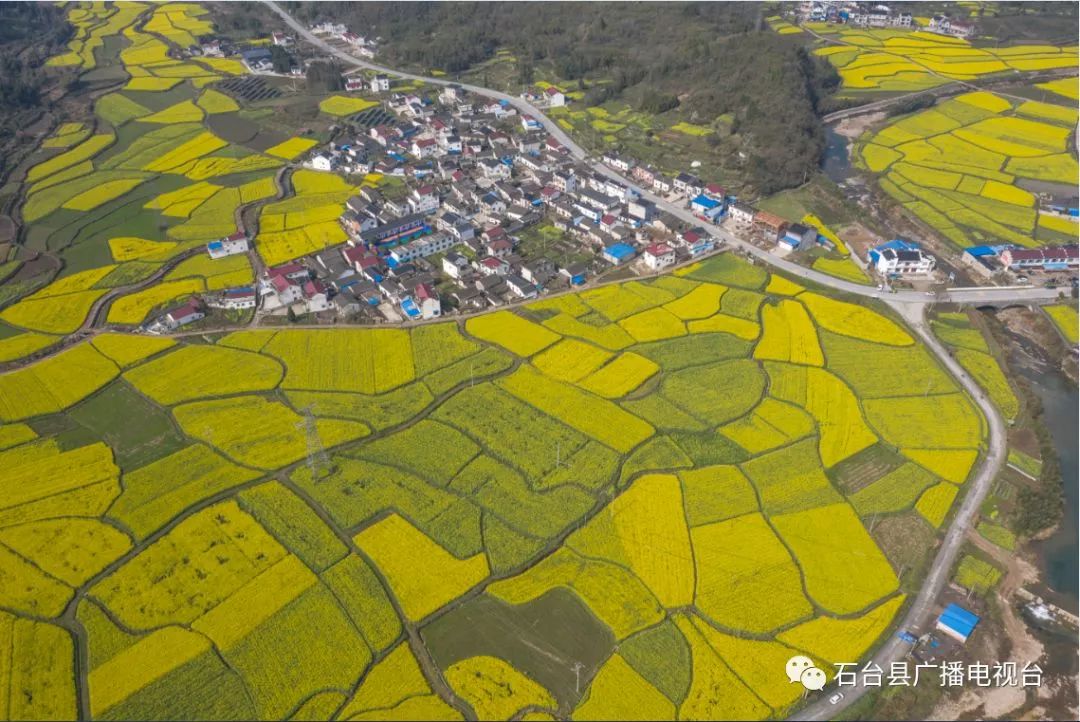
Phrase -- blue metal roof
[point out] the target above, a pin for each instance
(215, 245)
(899, 244)
(705, 202)
(979, 251)
(959, 620)
(619, 250)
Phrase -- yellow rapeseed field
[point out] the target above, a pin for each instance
(140, 249)
(84, 151)
(512, 332)
(90, 199)
(651, 529)
(15, 434)
(181, 202)
(831, 402)
(341, 105)
(38, 680)
(257, 432)
(202, 144)
(71, 550)
(853, 320)
(214, 102)
(255, 602)
(935, 502)
(945, 421)
(715, 493)
(292, 147)
(24, 344)
(134, 308)
(843, 640)
(390, 685)
(783, 287)
(756, 663)
(199, 371)
(126, 349)
(618, 692)
(571, 360)
(701, 302)
(722, 323)
(149, 659)
(494, 689)
(42, 482)
(422, 575)
(27, 589)
(771, 424)
(789, 335)
(843, 568)
(183, 112)
(592, 416)
(715, 692)
(1066, 320)
(611, 336)
(620, 376)
(745, 576)
(54, 383)
(950, 464)
(653, 325)
(369, 361)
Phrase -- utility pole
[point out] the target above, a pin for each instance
(318, 461)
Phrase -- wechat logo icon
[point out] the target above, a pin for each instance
(802, 669)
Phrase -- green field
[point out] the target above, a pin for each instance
(633, 501)
(961, 166)
(587, 490)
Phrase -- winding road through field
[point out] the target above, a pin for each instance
(910, 305)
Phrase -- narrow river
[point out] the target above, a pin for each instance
(836, 163)
(1059, 554)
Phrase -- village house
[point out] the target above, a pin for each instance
(420, 247)
(798, 237)
(1049, 258)
(741, 213)
(769, 225)
(519, 287)
(658, 256)
(707, 208)
(619, 253)
(178, 316)
(233, 299)
(901, 258)
(229, 246)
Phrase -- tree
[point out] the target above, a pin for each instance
(280, 59)
(323, 76)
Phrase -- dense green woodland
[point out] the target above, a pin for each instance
(707, 58)
(29, 33)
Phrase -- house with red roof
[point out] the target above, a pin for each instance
(658, 256)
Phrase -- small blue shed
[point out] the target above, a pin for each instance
(957, 622)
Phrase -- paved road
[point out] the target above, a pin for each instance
(921, 613)
(1032, 295)
(910, 305)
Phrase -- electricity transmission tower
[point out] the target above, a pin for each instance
(318, 460)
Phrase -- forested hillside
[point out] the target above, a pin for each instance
(29, 33)
(713, 58)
